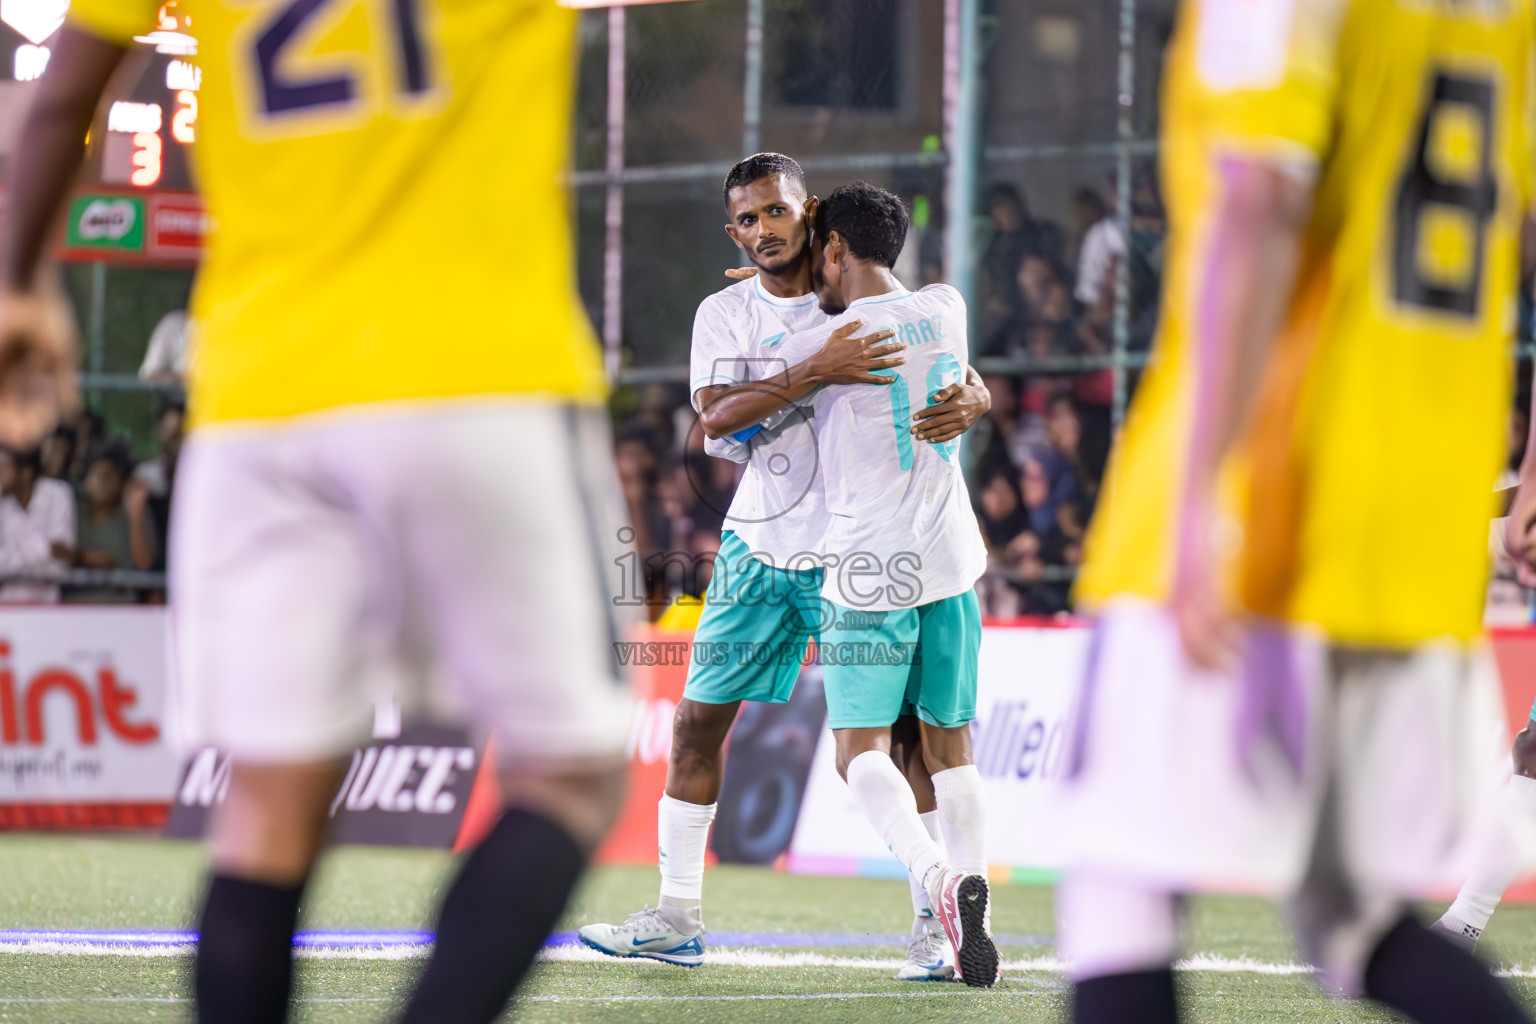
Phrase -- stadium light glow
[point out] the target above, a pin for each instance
(168, 36)
(180, 74)
(134, 118)
(30, 62)
(35, 19)
(146, 158)
(183, 122)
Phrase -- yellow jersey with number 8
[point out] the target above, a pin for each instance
(390, 220)
(1361, 496)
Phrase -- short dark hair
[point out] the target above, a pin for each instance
(25, 458)
(116, 453)
(1092, 199)
(872, 222)
(759, 166)
(1003, 192)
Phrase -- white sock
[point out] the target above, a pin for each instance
(682, 835)
(1496, 860)
(886, 799)
(921, 904)
(963, 808)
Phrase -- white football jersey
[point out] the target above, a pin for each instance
(901, 527)
(742, 334)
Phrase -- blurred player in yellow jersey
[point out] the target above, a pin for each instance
(398, 448)
(1285, 693)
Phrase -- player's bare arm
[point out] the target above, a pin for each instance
(727, 408)
(37, 339)
(1256, 243)
(1520, 528)
(952, 410)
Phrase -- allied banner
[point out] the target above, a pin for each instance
(1024, 697)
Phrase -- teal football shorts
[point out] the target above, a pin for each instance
(751, 639)
(878, 666)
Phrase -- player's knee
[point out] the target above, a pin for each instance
(272, 823)
(584, 803)
(946, 749)
(853, 742)
(698, 731)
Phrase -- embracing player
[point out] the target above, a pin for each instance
(760, 352)
(903, 629)
(343, 487)
(1278, 699)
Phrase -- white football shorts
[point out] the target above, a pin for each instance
(453, 556)
(1187, 780)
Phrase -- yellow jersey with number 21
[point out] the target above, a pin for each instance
(1362, 493)
(385, 178)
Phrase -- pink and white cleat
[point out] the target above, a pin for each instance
(961, 906)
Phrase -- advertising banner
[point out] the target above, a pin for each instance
(769, 752)
(178, 225)
(105, 222)
(1027, 678)
(82, 704)
(82, 744)
(409, 787)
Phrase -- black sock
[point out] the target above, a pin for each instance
(1145, 997)
(506, 900)
(1425, 977)
(244, 971)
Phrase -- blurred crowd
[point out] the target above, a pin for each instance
(1033, 465)
(82, 501)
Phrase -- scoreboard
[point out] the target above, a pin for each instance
(147, 119)
(134, 201)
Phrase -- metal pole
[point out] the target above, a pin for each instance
(96, 326)
(962, 102)
(752, 88)
(613, 211)
(1127, 137)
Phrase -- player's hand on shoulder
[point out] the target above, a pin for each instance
(741, 273)
(38, 383)
(951, 411)
(846, 359)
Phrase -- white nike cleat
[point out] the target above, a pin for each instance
(961, 904)
(646, 934)
(929, 956)
(1458, 931)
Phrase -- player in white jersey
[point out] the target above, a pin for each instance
(903, 554)
(760, 352)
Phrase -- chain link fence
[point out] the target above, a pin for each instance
(1022, 135)
(1021, 132)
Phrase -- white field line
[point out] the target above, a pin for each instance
(581, 954)
(933, 993)
(1201, 963)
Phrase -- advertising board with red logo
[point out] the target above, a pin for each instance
(83, 703)
(82, 706)
(178, 224)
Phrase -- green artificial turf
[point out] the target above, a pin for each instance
(95, 883)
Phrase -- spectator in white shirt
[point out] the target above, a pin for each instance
(1100, 252)
(37, 528)
(165, 359)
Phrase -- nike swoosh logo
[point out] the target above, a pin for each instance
(773, 342)
(638, 941)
